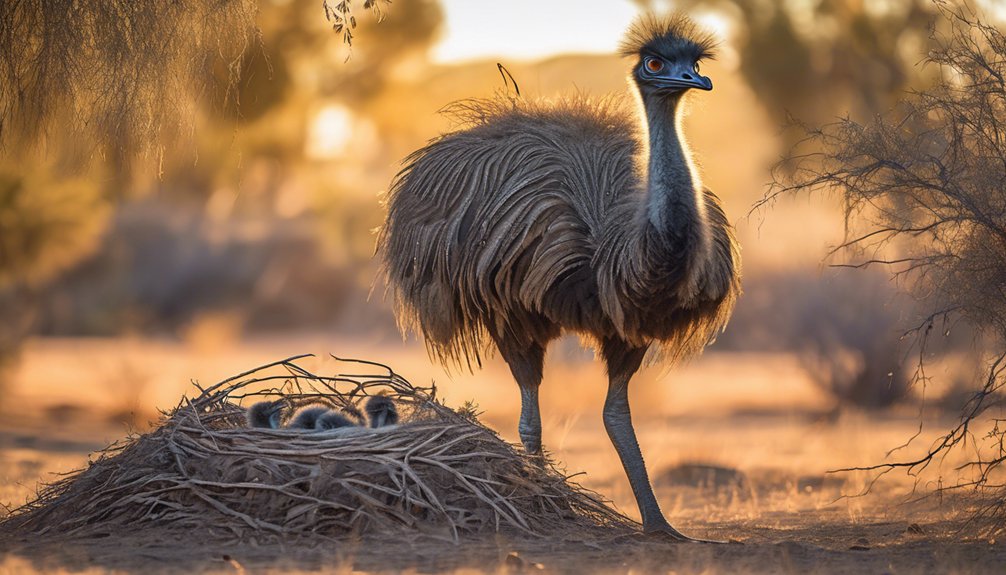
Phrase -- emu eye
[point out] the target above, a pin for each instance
(653, 65)
(696, 67)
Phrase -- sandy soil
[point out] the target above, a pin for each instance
(738, 446)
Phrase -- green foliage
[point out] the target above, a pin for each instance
(123, 85)
(46, 224)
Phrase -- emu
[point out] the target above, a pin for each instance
(307, 418)
(381, 411)
(332, 419)
(537, 218)
(266, 414)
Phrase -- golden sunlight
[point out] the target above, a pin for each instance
(330, 132)
(527, 30)
(450, 192)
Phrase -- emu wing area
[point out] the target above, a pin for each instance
(492, 229)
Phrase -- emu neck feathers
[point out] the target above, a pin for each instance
(674, 202)
(663, 276)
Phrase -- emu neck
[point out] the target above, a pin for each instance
(674, 195)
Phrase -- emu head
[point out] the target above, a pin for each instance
(669, 49)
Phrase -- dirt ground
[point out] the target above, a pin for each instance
(738, 446)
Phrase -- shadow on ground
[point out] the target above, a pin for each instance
(895, 547)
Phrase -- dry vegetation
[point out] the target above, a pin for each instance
(739, 444)
(923, 195)
(343, 19)
(755, 478)
(439, 474)
(121, 72)
(126, 74)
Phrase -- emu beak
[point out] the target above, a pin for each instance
(682, 78)
(686, 81)
(702, 83)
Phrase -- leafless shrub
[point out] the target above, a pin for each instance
(923, 191)
(160, 267)
(844, 328)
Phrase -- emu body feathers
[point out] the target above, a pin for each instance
(532, 219)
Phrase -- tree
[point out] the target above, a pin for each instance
(124, 73)
(923, 193)
(816, 60)
(90, 87)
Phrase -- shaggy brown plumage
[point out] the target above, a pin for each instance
(530, 220)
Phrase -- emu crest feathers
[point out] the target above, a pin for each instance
(672, 36)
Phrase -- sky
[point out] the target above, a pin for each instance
(526, 29)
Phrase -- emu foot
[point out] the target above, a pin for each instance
(665, 532)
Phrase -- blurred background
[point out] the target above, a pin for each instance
(240, 228)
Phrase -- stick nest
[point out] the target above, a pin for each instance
(205, 474)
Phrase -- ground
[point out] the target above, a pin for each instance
(739, 447)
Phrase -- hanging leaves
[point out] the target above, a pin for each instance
(340, 14)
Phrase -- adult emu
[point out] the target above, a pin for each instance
(541, 218)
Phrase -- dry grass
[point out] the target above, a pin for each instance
(124, 73)
(440, 473)
(921, 188)
(789, 514)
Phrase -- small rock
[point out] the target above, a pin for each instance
(514, 561)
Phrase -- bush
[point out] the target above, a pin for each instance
(923, 191)
(845, 329)
(47, 223)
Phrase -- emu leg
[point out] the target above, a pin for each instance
(623, 361)
(526, 367)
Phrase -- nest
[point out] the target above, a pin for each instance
(205, 473)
